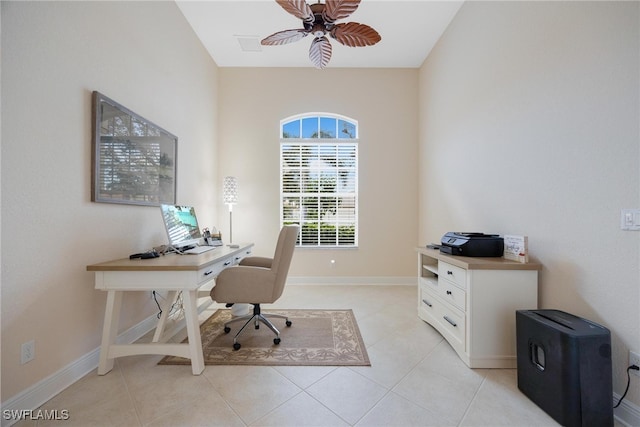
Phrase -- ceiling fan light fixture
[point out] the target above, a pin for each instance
(318, 31)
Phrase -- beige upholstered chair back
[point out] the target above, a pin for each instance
(282, 257)
(258, 279)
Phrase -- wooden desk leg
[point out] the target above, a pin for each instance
(166, 308)
(109, 330)
(193, 330)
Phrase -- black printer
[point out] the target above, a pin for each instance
(472, 244)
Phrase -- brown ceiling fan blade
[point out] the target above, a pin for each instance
(320, 52)
(339, 9)
(355, 35)
(298, 8)
(283, 37)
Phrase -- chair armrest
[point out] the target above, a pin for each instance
(257, 261)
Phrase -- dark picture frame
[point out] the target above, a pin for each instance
(133, 160)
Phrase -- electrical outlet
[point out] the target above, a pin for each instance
(28, 352)
(634, 359)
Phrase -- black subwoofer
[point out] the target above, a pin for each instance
(564, 366)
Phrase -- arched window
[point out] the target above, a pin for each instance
(319, 178)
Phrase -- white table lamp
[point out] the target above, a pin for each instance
(230, 197)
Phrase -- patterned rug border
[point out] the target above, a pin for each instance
(348, 351)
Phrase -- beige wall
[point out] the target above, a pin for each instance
(529, 125)
(523, 120)
(54, 54)
(384, 102)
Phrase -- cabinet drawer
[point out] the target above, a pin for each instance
(210, 272)
(450, 321)
(453, 322)
(453, 294)
(427, 300)
(452, 273)
(445, 290)
(239, 257)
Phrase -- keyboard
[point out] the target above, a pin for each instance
(198, 250)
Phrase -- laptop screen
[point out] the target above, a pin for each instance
(181, 224)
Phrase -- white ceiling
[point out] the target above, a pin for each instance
(409, 30)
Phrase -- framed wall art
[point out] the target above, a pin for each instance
(133, 160)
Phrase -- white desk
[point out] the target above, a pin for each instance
(173, 273)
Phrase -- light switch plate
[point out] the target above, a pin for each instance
(630, 219)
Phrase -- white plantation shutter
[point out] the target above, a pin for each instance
(319, 179)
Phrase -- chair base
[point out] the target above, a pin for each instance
(256, 318)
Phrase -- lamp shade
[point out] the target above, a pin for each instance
(230, 190)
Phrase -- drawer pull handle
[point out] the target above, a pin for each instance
(454, 324)
(238, 258)
(448, 292)
(427, 302)
(206, 273)
(450, 273)
(227, 263)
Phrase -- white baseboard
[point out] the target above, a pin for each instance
(41, 392)
(627, 413)
(403, 280)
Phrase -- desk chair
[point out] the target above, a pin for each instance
(257, 280)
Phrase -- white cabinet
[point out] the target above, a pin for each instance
(472, 302)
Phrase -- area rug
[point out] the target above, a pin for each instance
(316, 338)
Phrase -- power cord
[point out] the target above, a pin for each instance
(635, 368)
(175, 307)
(155, 298)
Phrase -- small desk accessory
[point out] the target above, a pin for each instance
(516, 248)
(212, 238)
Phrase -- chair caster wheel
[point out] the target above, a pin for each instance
(288, 323)
(276, 341)
(236, 346)
(227, 329)
(257, 326)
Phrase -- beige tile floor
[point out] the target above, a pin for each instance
(416, 379)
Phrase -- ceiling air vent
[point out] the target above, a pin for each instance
(249, 43)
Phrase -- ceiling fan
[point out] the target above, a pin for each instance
(319, 19)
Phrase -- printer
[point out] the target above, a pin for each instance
(472, 244)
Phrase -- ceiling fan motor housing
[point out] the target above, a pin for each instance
(321, 24)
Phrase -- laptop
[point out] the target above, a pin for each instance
(183, 230)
